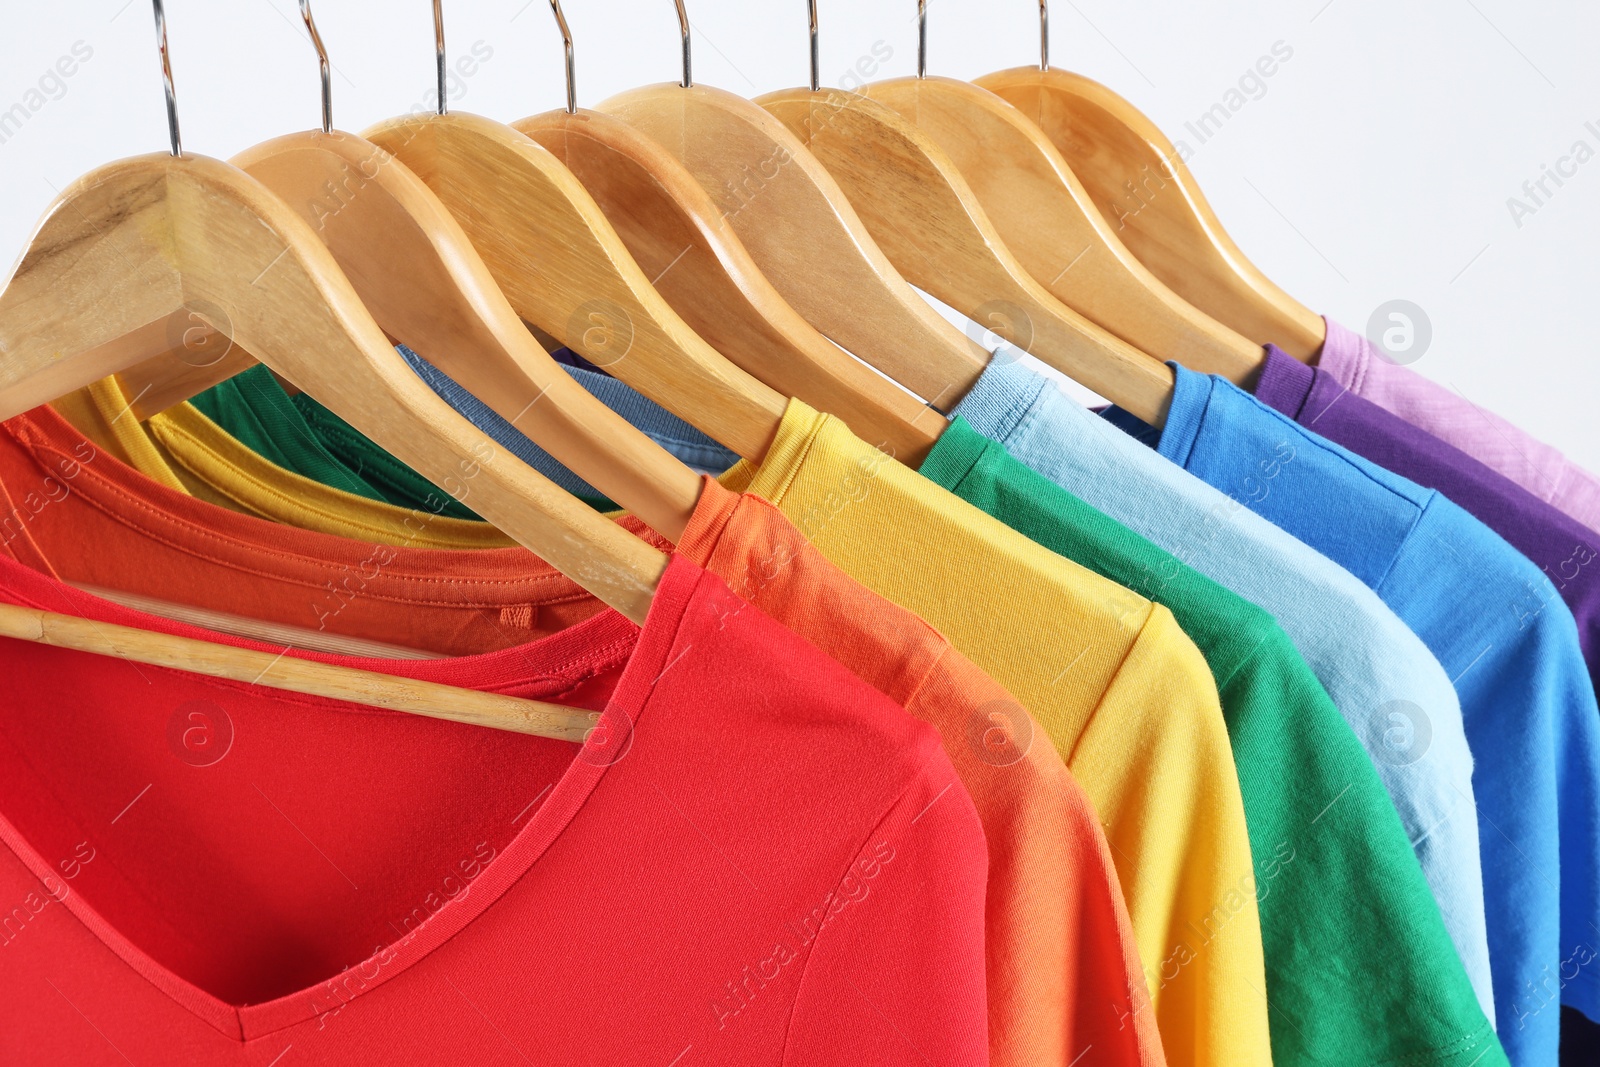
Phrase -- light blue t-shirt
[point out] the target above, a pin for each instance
(1389, 687)
(1508, 642)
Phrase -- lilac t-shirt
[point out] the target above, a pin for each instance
(1566, 550)
(1357, 364)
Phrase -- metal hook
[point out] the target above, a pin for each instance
(922, 38)
(322, 57)
(438, 45)
(1044, 34)
(683, 27)
(572, 73)
(816, 81)
(166, 78)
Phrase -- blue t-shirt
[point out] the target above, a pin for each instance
(1386, 684)
(672, 433)
(1510, 645)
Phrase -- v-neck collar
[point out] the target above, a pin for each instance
(604, 746)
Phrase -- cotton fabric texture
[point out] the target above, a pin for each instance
(1448, 846)
(164, 877)
(1368, 661)
(183, 449)
(1366, 974)
(1063, 970)
(1564, 549)
(672, 433)
(1119, 689)
(301, 435)
(1498, 626)
(1540, 469)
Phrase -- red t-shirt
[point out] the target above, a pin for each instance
(755, 859)
(1063, 971)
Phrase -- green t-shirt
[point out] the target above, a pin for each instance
(300, 435)
(1360, 968)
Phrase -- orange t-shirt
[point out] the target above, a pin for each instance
(1064, 981)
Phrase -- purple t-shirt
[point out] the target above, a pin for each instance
(1568, 551)
(1543, 471)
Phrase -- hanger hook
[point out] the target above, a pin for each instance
(166, 77)
(922, 38)
(438, 47)
(1044, 34)
(683, 28)
(322, 57)
(816, 81)
(572, 72)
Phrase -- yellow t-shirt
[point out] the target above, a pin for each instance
(1123, 694)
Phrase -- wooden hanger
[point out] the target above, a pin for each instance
(565, 270)
(292, 675)
(925, 216)
(139, 239)
(1049, 221)
(419, 276)
(680, 239)
(1145, 191)
(802, 232)
(136, 241)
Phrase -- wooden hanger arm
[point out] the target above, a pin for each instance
(293, 675)
(805, 236)
(193, 357)
(1050, 223)
(926, 218)
(697, 262)
(1146, 193)
(84, 282)
(417, 273)
(563, 268)
(409, 418)
(263, 631)
(246, 259)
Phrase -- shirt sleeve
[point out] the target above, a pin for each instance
(1157, 763)
(895, 972)
(1497, 443)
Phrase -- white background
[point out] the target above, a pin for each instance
(1376, 165)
